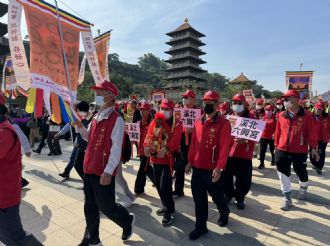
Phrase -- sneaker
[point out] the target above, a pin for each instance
(302, 193)
(223, 220)
(240, 205)
(261, 166)
(64, 175)
(178, 195)
(128, 232)
(128, 202)
(36, 151)
(160, 212)
(167, 219)
(286, 204)
(195, 234)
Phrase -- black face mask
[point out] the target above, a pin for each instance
(208, 108)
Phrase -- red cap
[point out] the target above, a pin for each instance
(107, 86)
(238, 97)
(269, 107)
(320, 105)
(2, 99)
(167, 103)
(145, 106)
(224, 106)
(260, 101)
(211, 96)
(280, 101)
(160, 116)
(189, 93)
(291, 93)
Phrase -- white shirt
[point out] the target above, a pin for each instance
(25, 144)
(116, 138)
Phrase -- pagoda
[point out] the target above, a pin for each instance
(241, 80)
(184, 71)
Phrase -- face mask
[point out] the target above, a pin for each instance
(279, 107)
(99, 100)
(288, 105)
(258, 107)
(185, 101)
(208, 108)
(83, 114)
(167, 114)
(269, 113)
(238, 108)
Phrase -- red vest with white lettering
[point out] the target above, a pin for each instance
(99, 145)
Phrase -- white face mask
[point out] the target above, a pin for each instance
(99, 100)
(185, 101)
(258, 107)
(279, 107)
(238, 108)
(288, 105)
(83, 114)
(167, 114)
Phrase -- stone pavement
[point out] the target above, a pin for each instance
(53, 210)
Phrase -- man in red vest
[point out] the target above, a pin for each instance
(11, 229)
(105, 136)
(207, 156)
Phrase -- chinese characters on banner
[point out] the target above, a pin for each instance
(90, 52)
(188, 116)
(250, 129)
(249, 96)
(17, 50)
(300, 81)
(133, 131)
(102, 49)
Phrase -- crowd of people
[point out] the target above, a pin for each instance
(219, 164)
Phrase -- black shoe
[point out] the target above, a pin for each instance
(31, 240)
(138, 193)
(177, 195)
(128, 232)
(319, 171)
(195, 234)
(240, 205)
(24, 182)
(228, 199)
(56, 154)
(84, 242)
(167, 219)
(160, 212)
(36, 151)
(223, 220)
(64, 175)
(261, 166)
(50, 154)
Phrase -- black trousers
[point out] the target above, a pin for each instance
(284, 160)
(264, 142)
(180, 171)
(102, 198)
(163, 182)
(201, 184)
(79, 162)
(242, 170)
(321, 148)
(53, 144)
(43, 139)
(144, 170)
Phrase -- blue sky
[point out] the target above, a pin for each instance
(262, 38)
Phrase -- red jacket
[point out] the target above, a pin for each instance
(294, 135)
(270, 127)
(243, 150)
(99, 145)
(173, 145)
(323, 127)
(210, 143)
(10, 166)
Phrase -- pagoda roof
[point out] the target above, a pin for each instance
(184, 27)
(241, 79)
(185, 67)
(185, 38)
(188, 76)
(186, 47)
(185, 57)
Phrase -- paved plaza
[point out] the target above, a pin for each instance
(53, 210)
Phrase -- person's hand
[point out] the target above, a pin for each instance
(105, 179)
(162, 152)
(240, 140)
(57, 136)
(315, 154)
(28, 154)
(216, 175)
(188, 169)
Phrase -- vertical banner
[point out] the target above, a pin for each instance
(48, 71)
(300, 81)
(91, 55)
(102, 50)
(16, 46)
(249, 96)
(82, 70)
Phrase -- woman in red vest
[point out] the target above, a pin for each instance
(103, 154)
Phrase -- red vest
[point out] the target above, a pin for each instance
(10, 166)
(99, 145)
(269, 128)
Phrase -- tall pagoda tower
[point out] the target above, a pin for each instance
(184, 71)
